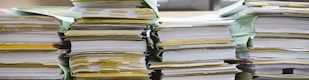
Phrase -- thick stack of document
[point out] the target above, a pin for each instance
(280, 47)
(109, 41)
(122, 9)
(28, 48)
(196, 50)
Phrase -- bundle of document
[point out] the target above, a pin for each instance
(106, 50)
(194, 51)
(279, 47)
(109, 40)
(132, 9)
(29, 48)
(107, 3)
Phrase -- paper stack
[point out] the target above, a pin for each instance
(28, 48)
(109, 40)
(196, 50)
(279, 47)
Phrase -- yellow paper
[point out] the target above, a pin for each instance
(77, 60)
(81, 36)
(274, 49)
(97, 21)
(144, 11)
(29, 65)
(167, 66)
(106, 65)
(280, 62)
(297, 15)
(112, 52)
(90, 33)
(284, 76)
(298, 6)
(205, 74)
(128, 74)
(27, 47)
(193, 42)
(257, 4)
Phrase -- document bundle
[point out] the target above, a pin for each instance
(29, 48)
(279, 48)
(195, 50)
(110, 41)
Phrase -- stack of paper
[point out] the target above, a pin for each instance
(279, 47)
(109, 40)
(28, 48)
(116, 9)
(194, 51)
(107, 3)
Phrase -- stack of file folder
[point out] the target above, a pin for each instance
(196, 51)
(280, 47)
(110, 39)
(29, 48)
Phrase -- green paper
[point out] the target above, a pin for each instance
(242, 29)
(244, 76)
(153, 5)
(232, 9)
(66, 72)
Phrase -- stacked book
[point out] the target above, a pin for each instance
(29, 48)
(196, 50)
(109, 41)
(280, 49)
